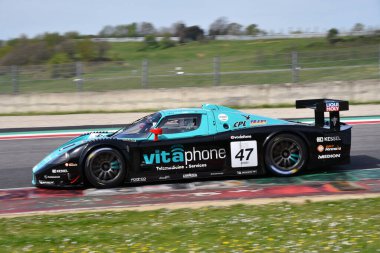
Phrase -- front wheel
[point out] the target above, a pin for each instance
(105, 168)
(285, 155)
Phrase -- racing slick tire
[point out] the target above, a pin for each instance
(105, 168)
(285, 155)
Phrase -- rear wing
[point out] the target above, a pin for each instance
(323, 105)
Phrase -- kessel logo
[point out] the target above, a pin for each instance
(59, 171)
(328, 139)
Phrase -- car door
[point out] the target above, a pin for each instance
(184, 149)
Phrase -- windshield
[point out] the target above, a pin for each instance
(140, 128)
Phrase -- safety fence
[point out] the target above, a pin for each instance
(253, 68)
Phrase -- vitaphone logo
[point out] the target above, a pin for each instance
(178, 154)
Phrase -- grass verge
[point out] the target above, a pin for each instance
(333, 226)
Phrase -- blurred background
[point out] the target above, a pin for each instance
(71, 58)
(96, 47)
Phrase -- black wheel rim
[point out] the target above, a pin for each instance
(286, 155)
(106, 166)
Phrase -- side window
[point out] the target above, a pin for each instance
(180, 124)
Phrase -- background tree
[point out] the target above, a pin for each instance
(358, 27)
(101, 49)
(121, 31)
(179, 31)
(72, 35)
(107, 31)
(252, 29)
(219, 26)
(68, 47)
(193, 33)
(145, 28)
(132, 30)
(163, 31)
(234, 29)
(332, 36)
(27, 52)
(52, 39)
(86, 50)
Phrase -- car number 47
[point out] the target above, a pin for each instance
(243, 154)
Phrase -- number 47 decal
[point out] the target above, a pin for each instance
(243, 154)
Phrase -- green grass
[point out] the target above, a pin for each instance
(335, 226)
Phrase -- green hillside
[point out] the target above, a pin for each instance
(195, 64)
(201, 50)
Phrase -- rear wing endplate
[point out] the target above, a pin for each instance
(320, 106)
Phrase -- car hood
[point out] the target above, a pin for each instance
(60, 154)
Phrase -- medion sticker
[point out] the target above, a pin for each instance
(329, 156)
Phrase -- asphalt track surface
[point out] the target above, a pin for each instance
(17, 157)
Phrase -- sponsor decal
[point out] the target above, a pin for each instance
(244, 154)
(258, 122)
(45, 182)
(247, 172)
(239, 137)
(332, 107)
(247, 117)
(320, 148)
(240, 124)
(71, 164)
(164, 177)
(199, 165)
(138, 179)
(59, 171)
(329, 156)
(216, 173)
(223, 117)
(52, 177)
(174, 167)
(131, 140)
(178, 154)
(190, 175)
(328, 139)
(333, 148)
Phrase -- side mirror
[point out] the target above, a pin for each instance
(156, 132)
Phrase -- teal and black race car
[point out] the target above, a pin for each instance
(207, 142)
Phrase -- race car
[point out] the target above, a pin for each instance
(208, 142)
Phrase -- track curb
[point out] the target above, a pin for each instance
(201, 204)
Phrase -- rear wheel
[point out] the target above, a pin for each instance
(105, 168)
(285, 155)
